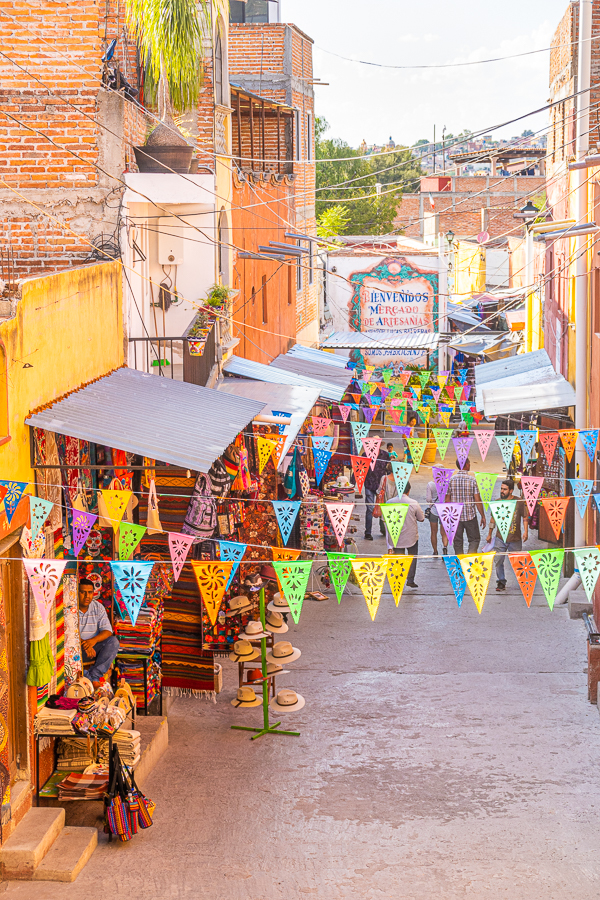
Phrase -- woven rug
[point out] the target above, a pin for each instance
(186, 670)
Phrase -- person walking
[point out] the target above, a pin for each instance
(408, 542)
(434, 519)
(514, 539)
(372, 481)
(463, 489)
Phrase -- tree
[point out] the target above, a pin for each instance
(346, 179)
(333, 221)
(169, 34)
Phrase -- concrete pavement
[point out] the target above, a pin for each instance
(442, 753)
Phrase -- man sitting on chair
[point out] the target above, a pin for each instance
(99, 646)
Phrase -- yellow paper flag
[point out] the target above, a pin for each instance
(417, 390)
(445, 417)
(212, 578)
(397, 573)
(116, 504)
(442, 379)
(477, 570)
(265, 447)
(370, 574)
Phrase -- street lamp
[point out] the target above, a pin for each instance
(450, 236)
(529, 211)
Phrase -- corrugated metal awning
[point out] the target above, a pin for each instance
(247, 368)
(386, 340)
(276, 398)
(166, 420)
(335, 360)
(523, 383)
(310, 369)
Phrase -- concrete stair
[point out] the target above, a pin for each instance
(42, 849)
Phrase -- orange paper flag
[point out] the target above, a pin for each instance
(212, 578)
(525, 573)
(285, 553)
(556, 508)
(279, 441)
(569, 440)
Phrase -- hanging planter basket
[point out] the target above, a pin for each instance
(161, 159)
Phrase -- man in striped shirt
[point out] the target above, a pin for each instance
(99, 646)
(463, 489)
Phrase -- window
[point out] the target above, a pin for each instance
(309, 136)
(253, 295)
(264, 299)
(297, 146)
(219, 86)
(298, 272)
(252, 12)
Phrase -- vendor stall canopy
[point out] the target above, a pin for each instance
(331, 382)
(167, 420)
(523, 383)
(386, 340)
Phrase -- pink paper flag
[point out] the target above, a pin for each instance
(44, 577)
(179, 545)
(82, 525)
(320, 424)
(344, 411)
(340, 514)
(441, 478)
(531, 485)
(484, 440)
(371, 447)
(449, 514)
(436, 393)
(462, 445)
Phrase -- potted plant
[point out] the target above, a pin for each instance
(197, 333)
(169, 34)
(218, 295)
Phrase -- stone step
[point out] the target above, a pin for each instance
(68, 855)
(30, 841)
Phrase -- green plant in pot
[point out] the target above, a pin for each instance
(218, 295)
(169, 34)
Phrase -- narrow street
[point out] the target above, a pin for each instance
(442, 753)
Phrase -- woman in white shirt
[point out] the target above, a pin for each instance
(432, 497)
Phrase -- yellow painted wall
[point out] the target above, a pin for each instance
(469, 270)
(68, 330)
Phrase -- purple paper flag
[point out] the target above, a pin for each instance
(385, 392)
(82, 525)
(462, 445)
(442, 478)
(449, 514)
(466, 391)
(369, 413)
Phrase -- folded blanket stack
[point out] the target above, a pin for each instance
(129, 744)
(80, 786)
(145, 634)
(54, 721)
(133, 672)
(75, 754)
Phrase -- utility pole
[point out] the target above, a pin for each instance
(434, 149)
(581, 244)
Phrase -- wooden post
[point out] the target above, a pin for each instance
(239, 128)
(278, 140)
(251, 132)
(264, 158)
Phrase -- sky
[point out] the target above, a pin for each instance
(378, 103)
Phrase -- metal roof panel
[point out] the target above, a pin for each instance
(387, 340)
(247, 368)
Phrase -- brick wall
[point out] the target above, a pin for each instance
(459, 210)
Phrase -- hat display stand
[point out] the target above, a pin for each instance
(268, 728)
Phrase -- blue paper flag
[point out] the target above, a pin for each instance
(527, 440)
(232, 552)
(281, 415)
(131, 579)
(581, 491)
(597, 499)
(457, 579)
(506, 442)
(589, 439)
(14, 492)
(461, 374)
(325, 442)
(359, 431)
(286, 512)
(39, 510)
(321, 458)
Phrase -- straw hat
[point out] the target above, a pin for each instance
(274, 622)
(283, 652)
(253, 632)
(246, 697)
(272, 669)
(239, 604)
(243, 650)
(278, 603)
(287, 701)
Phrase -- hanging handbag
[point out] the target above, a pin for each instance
(153, 523)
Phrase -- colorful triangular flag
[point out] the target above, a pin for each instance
(457, 579)
(179, 545)
(340, 567)
(129, 537)
(506, 442)
(293, 579)
(44, 577)
(477, 570)
(394, 515)
(340, 514)
(525, 573)
(556, 508)
(503, 512)
(370, 574)
(442, 438)
(286, 512)
(211, 578)
(401, 472)
(39, 510)
(131, 579)
(531, 486)
(549, 568)
(527, 440)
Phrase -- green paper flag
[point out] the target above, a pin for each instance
(503, 512)
(340, 566)
(129, 537)
(293, 578)
(394, 515)
(442, 438)
(387, 375)
(486, 483)
(588, 563)
(549, 568)
(417, 449)
(424, 377)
